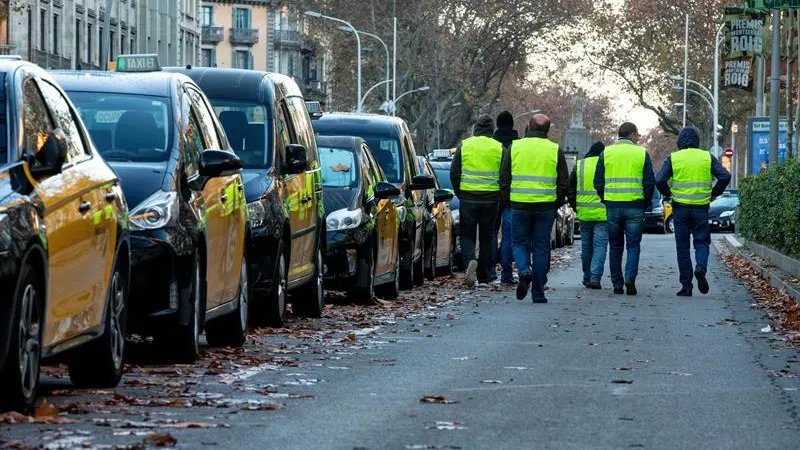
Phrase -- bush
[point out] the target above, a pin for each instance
(770, 208)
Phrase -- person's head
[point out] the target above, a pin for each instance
(539, 123)
(688, 138)
(597, 147)
(505, 121)
(484, 126)
(629, 131)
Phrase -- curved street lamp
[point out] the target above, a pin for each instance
(394, 103)
(385, 48)
(358, 50)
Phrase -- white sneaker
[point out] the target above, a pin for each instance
(472, 273)
(482, 285)
(496, 282)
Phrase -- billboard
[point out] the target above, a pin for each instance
(758, 140)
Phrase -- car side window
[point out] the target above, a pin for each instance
(65, 119)
(282, 132)
(366, 173)
(193, 144)
(205, 119)
(376, 168)
(302, 126)
(36, 121)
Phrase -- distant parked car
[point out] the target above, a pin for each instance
(439, 242)
(564, 226)
(722, 213)
(442, 171)
(654, 218)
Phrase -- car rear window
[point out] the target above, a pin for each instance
(339, 167)
(246, 125)
(127, 127)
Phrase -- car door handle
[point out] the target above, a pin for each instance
(224, 198)
(240, 186)
(306, 199)
(110, 196)
(84, 207)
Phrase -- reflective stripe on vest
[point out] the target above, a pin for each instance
(590, 209)
(480, 164)
(691, 177)
(533, 170)
(624, 169)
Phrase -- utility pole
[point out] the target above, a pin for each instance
(775, 85)
(105, 56)
(789, 54)
(685, 68)
(394, 68)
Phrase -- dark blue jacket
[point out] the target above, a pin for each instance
(648, 183)
(718, 171)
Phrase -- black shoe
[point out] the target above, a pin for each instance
(594, 285)
(540, 300)
(522, 287)
(630, 287)
(702, 283)
(685, 293)
(618, 291)
(586, 284)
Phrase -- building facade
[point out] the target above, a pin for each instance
(67, 34)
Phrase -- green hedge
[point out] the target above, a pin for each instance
(770, 208)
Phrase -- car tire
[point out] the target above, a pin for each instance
(20, 374)
(183, 343)
(366, 292)
(391, 291)
(669, 226)
(307, 301)
(100, 363)
(230, 330)
(430, 270)
(407, 274)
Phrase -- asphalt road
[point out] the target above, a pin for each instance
(587, 370)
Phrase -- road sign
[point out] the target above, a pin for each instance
(729, 152)
(772, 4)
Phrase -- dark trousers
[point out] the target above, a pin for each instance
(479, 218)
(690, 222)
(532, 246)
(625, 227)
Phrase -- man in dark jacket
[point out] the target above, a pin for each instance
(475, 173)
(506, 134)
(691, 170)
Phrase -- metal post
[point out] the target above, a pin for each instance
(715, 133)
(789, 90)
(105, 58)
(760, 107)
(734, 158)
(775, 84)
(685, 68)
(438, 122)
(394, 68)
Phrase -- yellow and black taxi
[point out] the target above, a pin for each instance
(188, 215)
(391, 145)
(64, 249)
(362, 222)
(439, 240)
(266, 120)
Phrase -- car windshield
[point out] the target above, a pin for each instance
(339, 168)
(727, 202)
(387, 152)
(247, 128)
(443, 175)
(127, 127)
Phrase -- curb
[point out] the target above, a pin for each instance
(773, 274)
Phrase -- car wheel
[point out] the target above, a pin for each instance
(231, 329)
(407, 274)
(365, 292)
(308, 300)
(20, 375)
(391, 291)
(669, 227)
(430, 271)
(100, 363)
(183, 343)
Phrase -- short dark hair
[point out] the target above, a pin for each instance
(627, 129)
(539, 122)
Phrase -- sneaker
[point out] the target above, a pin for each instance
(586, 284)
(618, 291)
(702, 282)
(522, 287)
(594, 285)
(496, 282)
(630, 287)
(510, 283)
(540, 300)
(472, 273)
(482, 285)
(684, 293)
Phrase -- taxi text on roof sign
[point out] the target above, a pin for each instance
(138, 63)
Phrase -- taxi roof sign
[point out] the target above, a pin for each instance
(138, 63)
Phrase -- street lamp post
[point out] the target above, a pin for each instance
(734, 159)
(394, 103)
(439, 122)
(380, 83)
(712, 99)
(385, 48)
(358, 50)
(716, 89)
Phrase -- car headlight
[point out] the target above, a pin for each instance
(727, 214)
(658, 210)
(155, 211)
(258, 214)
(456, 216)
(401, 212)
(344, 219)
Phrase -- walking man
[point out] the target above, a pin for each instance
(475, 174)
(592, 216)
(538, 178)
(692, 170)
(624, 181)
(506, 135)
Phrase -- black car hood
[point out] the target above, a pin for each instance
(338, 198)
(715, 211)
(139, 180)
(256, 183)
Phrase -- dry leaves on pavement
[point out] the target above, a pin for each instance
(436, 399)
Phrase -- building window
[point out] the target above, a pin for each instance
(89, 39)
(207, 19)
(78, 29)
(111, 47)
(121, 44)
(103, 58)
(209, 58)
(56, 36)
(42, 29)
(241, 60)
(241, 18)
(132, 48)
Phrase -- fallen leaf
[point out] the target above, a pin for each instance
(766, 329)
(622, 381)
(623, 368)
(160, 440)
(436, 399)
(442, 425)
(44, 409)
(492, 382)
(351, 337)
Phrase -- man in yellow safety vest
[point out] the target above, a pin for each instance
(592, 216)
(475, 175)
(692, 171)
(537, 177)
(624, 181)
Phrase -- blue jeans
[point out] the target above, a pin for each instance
(594, 245)
(506, 249)
(625, 227)
(532, 245)
(694, 222)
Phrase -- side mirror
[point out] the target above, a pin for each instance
(384, 190)
(52, 155)
(296, 159)
(219, 163)
(422, 182)
(443, 195)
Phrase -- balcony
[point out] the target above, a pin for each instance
(315, 90)
(243, 36)
(49, 61)
(287, 38)
(212, 35)
(6, 49)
